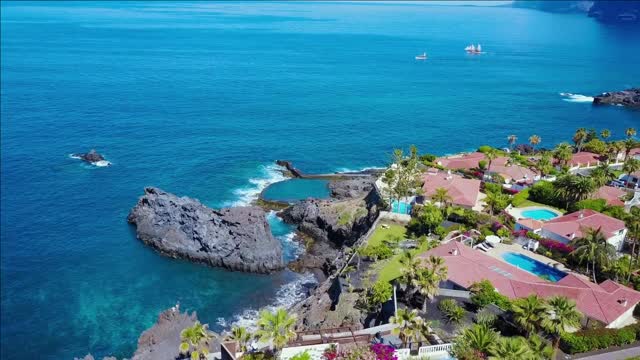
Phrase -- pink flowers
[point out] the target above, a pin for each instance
(556, 245)
(384, 352)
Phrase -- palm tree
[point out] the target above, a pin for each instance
(496, 201)
(534, 140)
(563, 152)
(616, 148)
(276, 327)
(428, 279)
(540, 347)
(507, 348)
(628, 145)
(241, 335)
(478, 338)
(574, 188)
(631, 165)
(491, 154)
(544, 164)
(528, 313)
(630, 132)
(602, 174)
(605, 134)
(633, 236)
(196, 339)
(407, 322)
(593, 248)
(442, 196)
(562, 316)
(579, 138)
(512, 140)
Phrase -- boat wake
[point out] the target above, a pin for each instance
(245, 195)
(288, 295)
(576, 98)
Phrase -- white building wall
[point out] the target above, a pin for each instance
(623, 320)
(617, 240)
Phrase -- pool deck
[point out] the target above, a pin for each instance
(501, 249)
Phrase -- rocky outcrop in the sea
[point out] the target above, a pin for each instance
(235, 238)
(92, 157)
(162, 340)
(630, 97)
(348, 189)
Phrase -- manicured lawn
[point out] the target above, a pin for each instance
(533, 203)
(389, 269)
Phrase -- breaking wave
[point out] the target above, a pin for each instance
(576, 98)
(287, 296)
(245, 195)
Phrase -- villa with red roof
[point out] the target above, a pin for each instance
(465, 161)
(512, 173)
(583, 159)
(609, 302)
(463, 192)
(612, 195)
(571, 226)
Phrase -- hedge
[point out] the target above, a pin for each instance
(588, 340)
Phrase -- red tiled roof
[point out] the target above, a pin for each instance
(611, 194)
(531, 223)
(601, 302)
(466, 161)
(583, 158)
(576, 222)
(515, 172)
(463, 191)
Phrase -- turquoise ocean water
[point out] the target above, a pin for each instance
(200, 99)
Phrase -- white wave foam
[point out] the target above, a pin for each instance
(576, 98)
(269, 174)
(350, 170)
(102, 163)
(287, 296)
(74, 156)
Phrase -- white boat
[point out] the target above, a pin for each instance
(422, 57)
(472, 49)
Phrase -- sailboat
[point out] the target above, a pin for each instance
(422, 57)
(472, 49)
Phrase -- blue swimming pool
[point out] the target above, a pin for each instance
(400, 207)
(533, 266)
(539, 214)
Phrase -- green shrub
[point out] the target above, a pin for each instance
(301, 356)
(377, 252)
(482, 164)
(492, 188)
(594, 339)
(429, 158)
(483, 293)
(484, 149)
(594, 204)
(451, 310)
(519, 198)
(543, 192)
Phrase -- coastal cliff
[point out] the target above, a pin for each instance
(610, 11)
(235, 238)
(630, 98)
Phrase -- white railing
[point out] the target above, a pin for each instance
(403, 354)
(426, 350)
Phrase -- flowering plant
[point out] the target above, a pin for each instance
(384, 352)
(556, 245)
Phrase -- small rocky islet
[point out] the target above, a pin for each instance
(92, 157)
(629, 97)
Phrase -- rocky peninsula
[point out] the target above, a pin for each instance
(235, 238)
(629, 97)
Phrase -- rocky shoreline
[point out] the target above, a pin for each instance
(240, 239)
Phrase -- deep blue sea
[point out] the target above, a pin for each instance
(200, 99)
